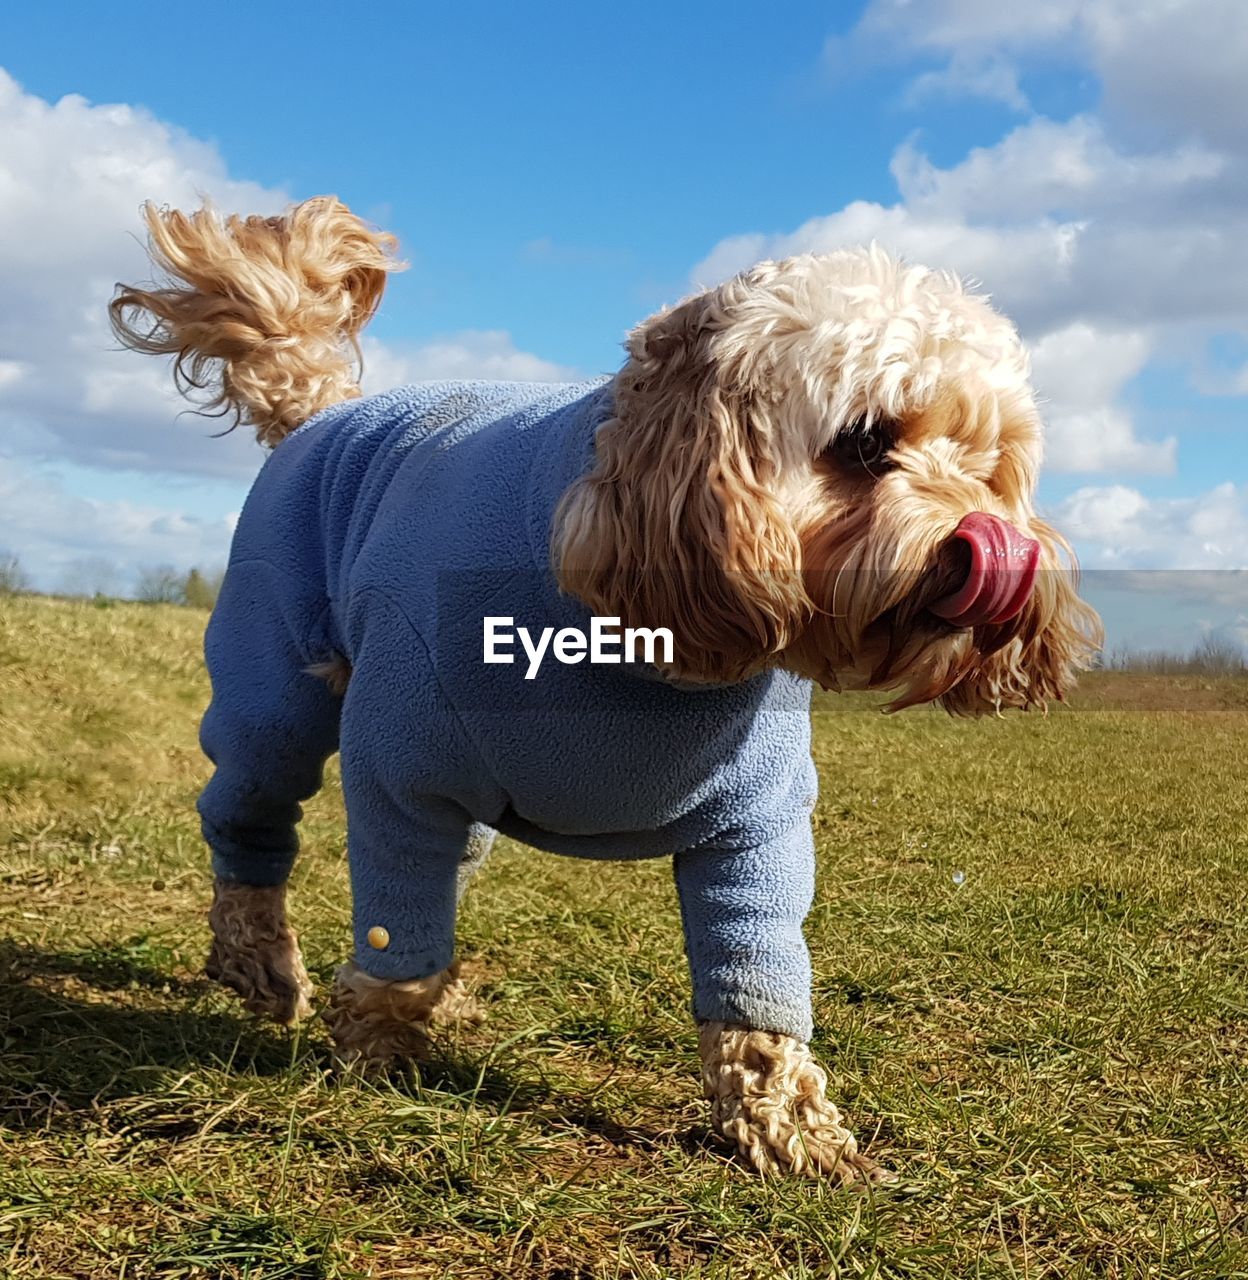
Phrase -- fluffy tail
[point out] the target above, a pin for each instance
(263, 315)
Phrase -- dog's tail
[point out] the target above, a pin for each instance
(263, 315)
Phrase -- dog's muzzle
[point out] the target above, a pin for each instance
(1000, 566)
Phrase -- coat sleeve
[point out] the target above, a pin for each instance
(742, 910)
(270, 726)
(419, 801)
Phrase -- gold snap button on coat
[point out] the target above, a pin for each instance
(378, 938)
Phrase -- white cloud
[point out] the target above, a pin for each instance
(1117, 527)
(72, 178)
(1107, 244)
(889, 30)
(55, 532)
(1058, 224)
(1168, 69)
(1233, 382)
(488, 353)
(969, 77)
(1079, 371)
(1046, 166)
(1218, 587)
(1172, 68)
(1030, 255)
(1081, 366)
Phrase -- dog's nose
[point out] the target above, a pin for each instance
(1000, 574)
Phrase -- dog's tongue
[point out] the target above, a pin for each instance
(1002, 573)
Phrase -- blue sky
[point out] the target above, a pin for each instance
(555, 175)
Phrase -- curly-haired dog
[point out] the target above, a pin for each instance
(822, 469)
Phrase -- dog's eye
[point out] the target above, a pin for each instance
(862, 446)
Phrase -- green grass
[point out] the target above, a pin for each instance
(1053, 1054)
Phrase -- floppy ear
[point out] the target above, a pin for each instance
(679, 523)
(1034, 658)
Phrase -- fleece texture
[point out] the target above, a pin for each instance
(385, 530)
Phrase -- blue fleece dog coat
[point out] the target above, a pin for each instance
(385, 530)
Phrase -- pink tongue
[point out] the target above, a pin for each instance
(1002, 573)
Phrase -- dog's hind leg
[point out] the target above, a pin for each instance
(376, 1020)
(407, 869)
(408, 864)
(476, 851)
(412, 845)
(255, 951)
(269, 730)
(457, 1003)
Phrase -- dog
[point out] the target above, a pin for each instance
(821, 471)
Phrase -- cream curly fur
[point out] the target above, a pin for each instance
(262, 313)
(374, 1022)
(769, 1096)
(256, 953)
(717, 506)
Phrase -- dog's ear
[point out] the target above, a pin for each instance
(1033, 659)
(680, 524)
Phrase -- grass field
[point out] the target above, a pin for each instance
(1052, 1053)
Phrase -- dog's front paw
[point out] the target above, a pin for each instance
(456, 1004)
(256, 953)
(769, 1096)
(374, 1022)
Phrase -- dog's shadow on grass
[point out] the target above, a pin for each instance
(80, 1028)
(558, 1110)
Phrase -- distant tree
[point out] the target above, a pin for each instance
(200, 590)
(12, 576)
(1219, 655)
(1214, 655)
(193, 589)
(159, 584)
(91, 576)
